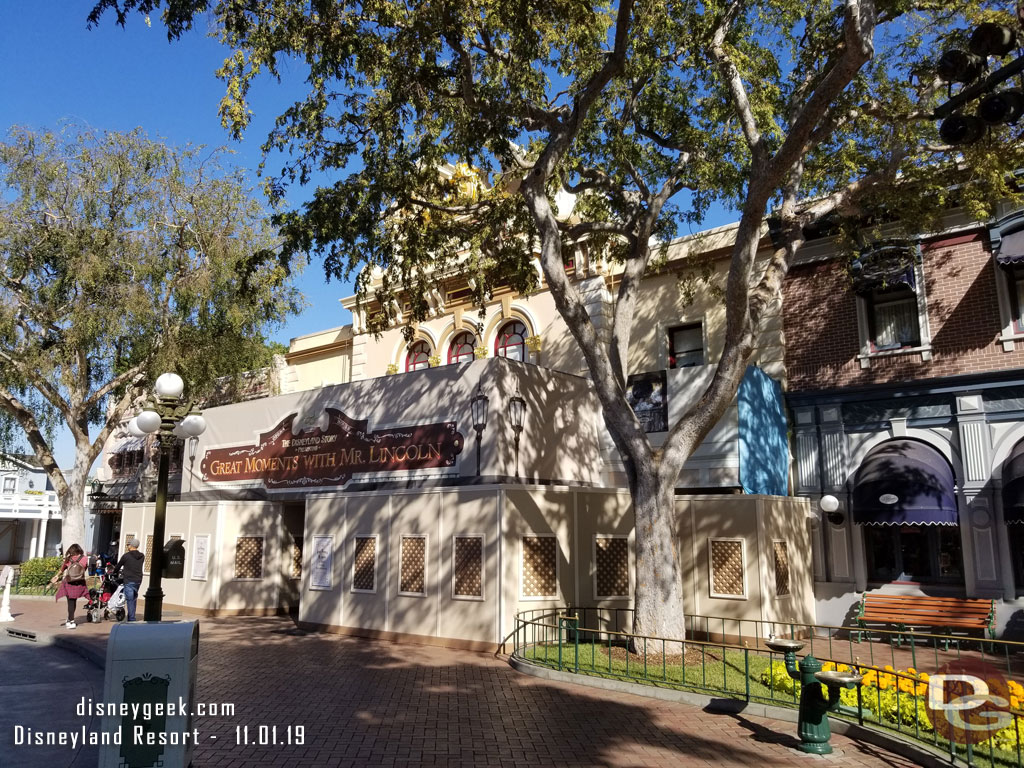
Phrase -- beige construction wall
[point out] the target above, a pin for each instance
(223, 522)
(437, 516)
(501, 516)
(755, 524)
(546, 512)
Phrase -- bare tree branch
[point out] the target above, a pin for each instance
(17, 409)
(118, 381)
(573, 232)
(858, 29)
(731, 75)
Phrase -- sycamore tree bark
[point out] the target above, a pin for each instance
(120, 258)
(454, 131)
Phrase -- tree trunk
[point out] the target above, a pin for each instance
(658, 600)
(72, 509)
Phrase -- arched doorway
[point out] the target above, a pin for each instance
(904, 496)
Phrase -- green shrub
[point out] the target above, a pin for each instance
(38, 571)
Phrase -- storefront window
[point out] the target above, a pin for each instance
(929, 554)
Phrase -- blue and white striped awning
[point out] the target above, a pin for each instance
(131, 444)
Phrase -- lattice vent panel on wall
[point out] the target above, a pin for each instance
(468, 567)
(540, 566)
(781, 568)
(249, 557)
(727, 567)
(364, 573)
(611, 562)
(414, 559)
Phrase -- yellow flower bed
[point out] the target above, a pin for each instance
(896, 696)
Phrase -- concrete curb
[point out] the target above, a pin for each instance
(72, 644)
(84, 650)
(919, 753)
(32, 597)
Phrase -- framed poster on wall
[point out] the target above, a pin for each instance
(321, 574)
(200, 556)
(647, 394)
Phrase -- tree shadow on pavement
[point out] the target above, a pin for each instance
(363, 702)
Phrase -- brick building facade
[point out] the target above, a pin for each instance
(963, 315)
(895, 361)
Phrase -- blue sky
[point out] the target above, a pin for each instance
(54, 69)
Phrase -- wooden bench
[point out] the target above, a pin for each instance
(907, 613)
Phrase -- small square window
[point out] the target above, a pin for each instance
(893, 318)
(9, 485)
(685, 346)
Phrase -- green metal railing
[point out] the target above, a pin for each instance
(839, 643)
(738, 665)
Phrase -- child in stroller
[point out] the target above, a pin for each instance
(107, 601)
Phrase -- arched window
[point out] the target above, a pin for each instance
(461, 349)
(511, 341)
(417, 357)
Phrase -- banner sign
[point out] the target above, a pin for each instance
(331, 455)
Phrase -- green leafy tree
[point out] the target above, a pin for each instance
(121, 258)
(650, 112)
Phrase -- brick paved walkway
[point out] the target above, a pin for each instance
(378, 704)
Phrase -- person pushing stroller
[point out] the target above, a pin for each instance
(106, 601)
(129, 568)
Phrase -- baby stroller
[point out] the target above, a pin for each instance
(108, 601)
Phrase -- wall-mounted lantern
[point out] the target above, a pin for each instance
(478, 405)
(516, 414)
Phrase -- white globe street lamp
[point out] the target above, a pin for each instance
(829, 504)
(171, 419)
(169, 385)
